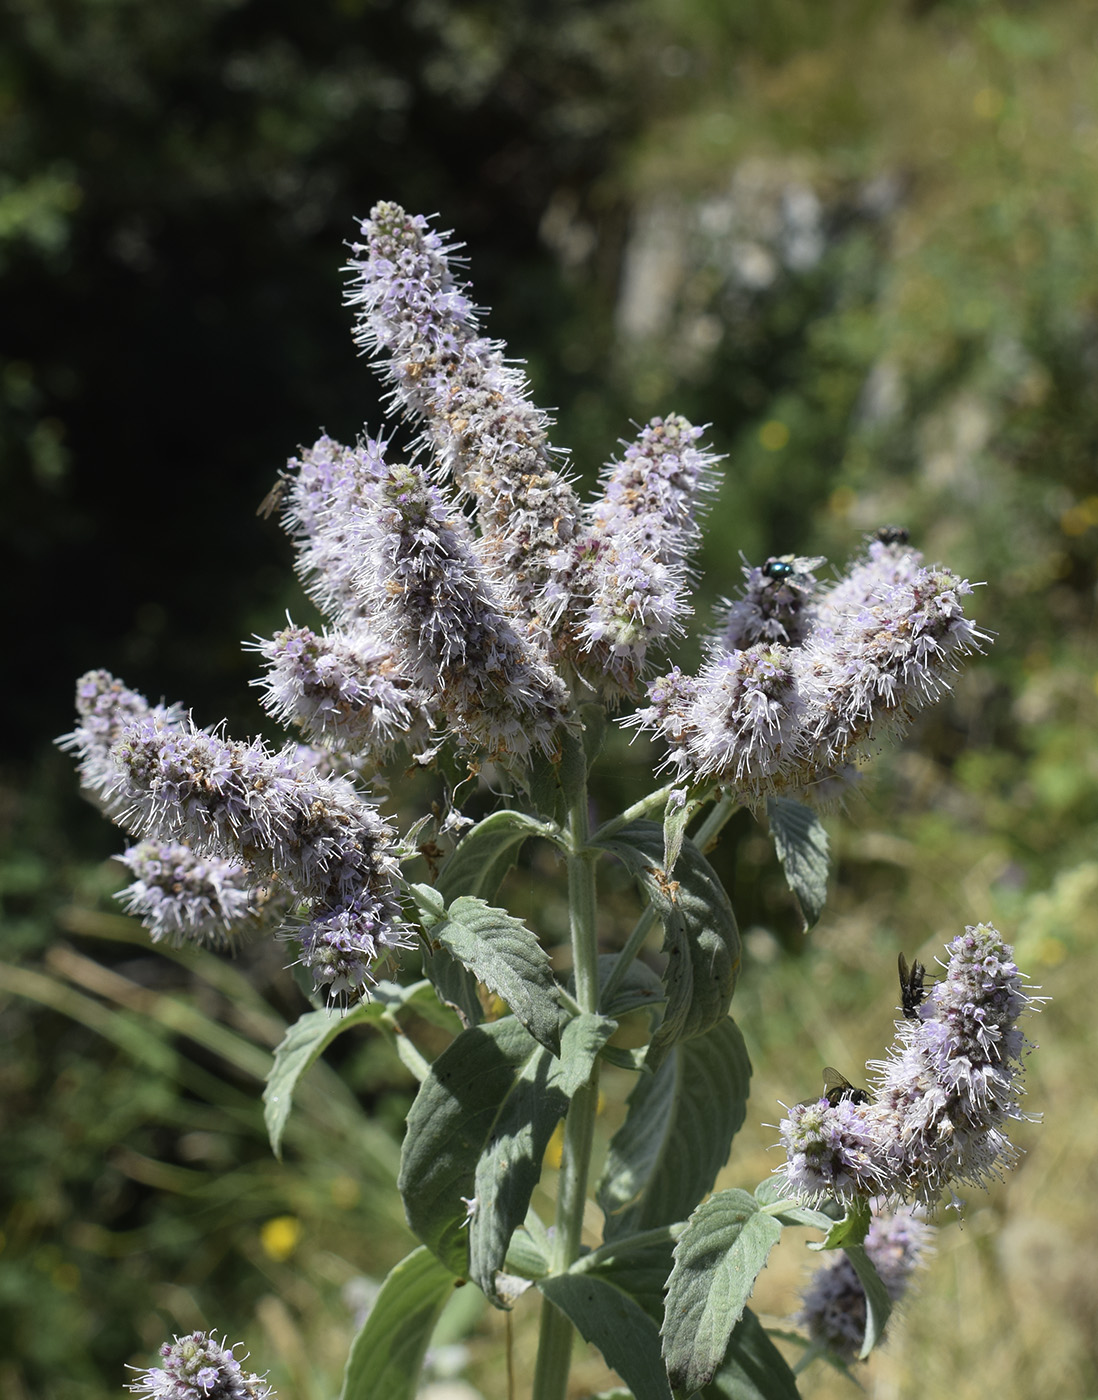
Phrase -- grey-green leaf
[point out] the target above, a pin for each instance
(387, 1355)
(753, 1367)
(878, 1304)
(677, 1134)
(717, 1260)
(801, 843)
(509, 1166)
(638, 1265)
(701, 939)
(485, 853)
(612, 1320)
(477, 1133)
(505, 955)
(303, 1043)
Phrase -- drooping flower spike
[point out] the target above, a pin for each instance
(279, 818)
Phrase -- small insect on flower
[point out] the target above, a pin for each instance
(891, 534)
(837, 1088)
(913, 990)
(791, 569)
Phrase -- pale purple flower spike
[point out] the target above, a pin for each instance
(181, 897)
(632, 555)
(417, 320)
(283, 821)
(439, 613)
(871, 651)
(833, 1306)
(943, 1098)
(198, 1367)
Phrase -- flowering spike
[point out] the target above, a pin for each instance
(737, 722)
(478, 420)
(446, 626)
(633, 552)
(328, 486)
(833, 1306)
(943, 1097)
(180, 896)
(344, 690)
(870, 665)
(281, 820)
(198, 1367)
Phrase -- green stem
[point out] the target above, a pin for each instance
(555, 1341)
(632, 946)
(705, 838)
(653, 802)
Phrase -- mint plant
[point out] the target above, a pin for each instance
(484, 624)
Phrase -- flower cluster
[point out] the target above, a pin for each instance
(436, 604)
(942, 1099)
(628, 589)
(180, 896)
(477, 417)
(198, 1367)
(283, 821)
(833, 1306)
(345, 690)
(857, 662)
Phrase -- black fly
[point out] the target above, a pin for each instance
(912, 986)
(891, 534)
(837, 1088)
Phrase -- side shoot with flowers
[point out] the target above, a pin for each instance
(483, 621)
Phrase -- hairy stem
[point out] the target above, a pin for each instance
(555, 1341)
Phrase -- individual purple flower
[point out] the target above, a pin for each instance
(943, 1098)
(344, 690)
(326, 488)
(417, 320)
(198, 1367)
(833, 1306)
(447, 628)
(281, 820)
(632, 554)
(736, 724)
(181, 897)
(104, 708)
(773, 607)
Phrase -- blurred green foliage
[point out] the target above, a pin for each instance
(859, 238)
